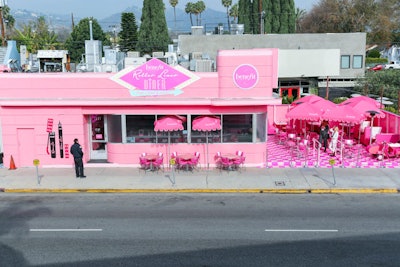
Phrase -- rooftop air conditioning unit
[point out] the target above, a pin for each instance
(203, 65)
(197, 55)
(133, 54)
(197, 30)
(158, 54)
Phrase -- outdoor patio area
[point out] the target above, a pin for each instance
(281, 155)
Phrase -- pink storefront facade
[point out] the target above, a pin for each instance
(112, 114)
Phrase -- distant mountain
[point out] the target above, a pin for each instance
(209, 19)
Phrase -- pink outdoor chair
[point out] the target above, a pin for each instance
(158, 164)
(217, 159)
(144, 163)
(194, 162)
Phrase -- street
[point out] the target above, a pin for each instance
(199, 230)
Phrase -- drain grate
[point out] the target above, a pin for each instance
(279, 183)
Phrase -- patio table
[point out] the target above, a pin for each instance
(151, 158)
(188, 158)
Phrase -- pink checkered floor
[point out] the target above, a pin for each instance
(281, 155)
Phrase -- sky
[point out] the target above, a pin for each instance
(103, 8)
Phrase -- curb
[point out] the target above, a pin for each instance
(266, 191)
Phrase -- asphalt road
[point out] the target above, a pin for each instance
(199, 230)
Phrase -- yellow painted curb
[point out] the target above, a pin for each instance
(356, 191)
(267, 191)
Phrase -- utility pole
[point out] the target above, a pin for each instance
(3, 31)
(261, 16)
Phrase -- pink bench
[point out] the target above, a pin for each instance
(387, 137)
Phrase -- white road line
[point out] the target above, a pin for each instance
(65, 230)
(301, 230)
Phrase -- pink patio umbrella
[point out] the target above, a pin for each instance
(307, 99)
(206, 124)
(310, 110)
(169, 124)
(343, 113)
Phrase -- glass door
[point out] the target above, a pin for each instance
(98, 142)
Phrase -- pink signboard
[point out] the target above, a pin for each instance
(245, 76)
(155, 78)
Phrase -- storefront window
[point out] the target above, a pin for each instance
(140, 129)
(114, 128)
(237, 128)
(199, 137)
(261, 133)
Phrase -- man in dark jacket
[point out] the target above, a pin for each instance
(76, 151)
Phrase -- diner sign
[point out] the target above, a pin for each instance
(155, 78)
(245, 76)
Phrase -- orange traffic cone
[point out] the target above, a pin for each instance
(12, 164)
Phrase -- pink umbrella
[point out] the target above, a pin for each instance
(307, 99)
(343, 113)
(169, 124)
(361, 98)
(206, 124)
(307, 112)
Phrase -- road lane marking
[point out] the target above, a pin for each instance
(302, 230)
(65, 230)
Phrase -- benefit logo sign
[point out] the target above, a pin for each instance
(245, 76)
(155, 78)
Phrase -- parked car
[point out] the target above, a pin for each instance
(377, 67)
(393, 65)
(4, 68)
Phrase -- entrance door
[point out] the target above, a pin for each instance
(98, 144)
(26, 147)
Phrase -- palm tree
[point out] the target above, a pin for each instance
(173, 4)
(189, 9)
(227, 4)
(234, 12)
(300, 14)
(199, 8)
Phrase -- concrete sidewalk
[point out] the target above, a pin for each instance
(252, 180)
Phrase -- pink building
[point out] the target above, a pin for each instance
(113, 114)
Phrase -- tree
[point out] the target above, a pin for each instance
(8, 20)
(199, 8)
(81, 32)
(376, 83)
(196, 9)
(379, 18)
(277, 16)
(173, 4)
(153, 32)
(247, 16)
(227, 4)
(36, 35)
(189, 9)
(128, 36)
(234, 12)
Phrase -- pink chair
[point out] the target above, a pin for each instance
(194, 162)
(182, 164)
(144, 163)
(158, 164)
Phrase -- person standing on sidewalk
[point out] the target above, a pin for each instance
(76, 151)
